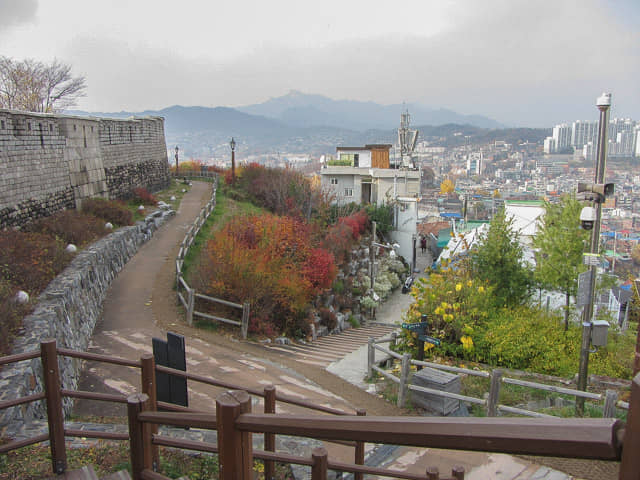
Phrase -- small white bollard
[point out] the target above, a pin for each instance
(71, 248)
(108, 226)
(21, 297)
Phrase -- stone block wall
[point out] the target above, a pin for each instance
(52, 162)
(67, 311)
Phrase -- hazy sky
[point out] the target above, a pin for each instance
(521, 62)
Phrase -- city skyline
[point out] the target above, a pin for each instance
(518, 63)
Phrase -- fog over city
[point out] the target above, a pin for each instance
(519, 62)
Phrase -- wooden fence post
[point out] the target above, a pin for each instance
(404, 379)
(191, 300)
(320, 464)
(610, 400)
(371, 356)
(494, 393)
(359, 453)
(235, 452)
(433, 473)
(246, 307)
(457, 472)
(269, 438)
(139, 447)
(55, 415)
(630, 464)
(148, 374)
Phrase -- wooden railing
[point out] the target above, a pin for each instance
(491, 402)
(235, 423)
(186, 295)
(54, 393)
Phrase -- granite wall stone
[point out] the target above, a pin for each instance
(51, 162)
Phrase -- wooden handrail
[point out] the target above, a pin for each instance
(579, 438)
(19, 357)
(66, 352)
(19, 401)
(74, 432)
(104, 397)
(186, 419)
(164, 441)
(7, 447)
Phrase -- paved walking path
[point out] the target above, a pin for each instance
(141, 304)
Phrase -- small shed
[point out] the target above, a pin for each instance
(436, 380)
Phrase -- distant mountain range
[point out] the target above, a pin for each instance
(303, 110)
(298, 122)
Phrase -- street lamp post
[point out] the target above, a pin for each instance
(232, 144)
(176, 161)
(603, 103)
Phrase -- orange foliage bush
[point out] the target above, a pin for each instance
(271, 262)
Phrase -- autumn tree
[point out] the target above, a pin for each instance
(271, 262)
(447, 186)
(498, 259)
(560, 243)
(38, 87)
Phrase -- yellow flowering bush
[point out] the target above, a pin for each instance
(454, 303)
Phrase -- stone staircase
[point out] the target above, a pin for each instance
(326, 350)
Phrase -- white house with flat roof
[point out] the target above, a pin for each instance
(363, 175)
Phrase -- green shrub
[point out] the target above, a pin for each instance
(109, 211)
(353, 321)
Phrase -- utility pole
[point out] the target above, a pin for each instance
(603, 103)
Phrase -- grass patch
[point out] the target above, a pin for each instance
(34, 462)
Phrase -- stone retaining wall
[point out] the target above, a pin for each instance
(50, 162)
(68, 310)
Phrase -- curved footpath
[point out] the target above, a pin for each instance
(141, 304)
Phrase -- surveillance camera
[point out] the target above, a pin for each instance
(588, 217)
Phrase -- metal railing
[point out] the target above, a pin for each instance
(186, 295)
(491, 402)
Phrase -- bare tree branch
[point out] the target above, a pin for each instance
(38, 87)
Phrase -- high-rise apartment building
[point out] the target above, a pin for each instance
(562, 136)
(583, 133)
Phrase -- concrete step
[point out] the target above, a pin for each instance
(327, 350)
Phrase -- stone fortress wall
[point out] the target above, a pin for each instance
(50, 162)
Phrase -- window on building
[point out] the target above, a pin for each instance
(348, 192)
(2, 124)
(334, 181)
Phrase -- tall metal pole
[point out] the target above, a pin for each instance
(603, 103)
(176, 161)
(232, 143)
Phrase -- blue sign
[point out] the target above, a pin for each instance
(415, 326)
(428, 339)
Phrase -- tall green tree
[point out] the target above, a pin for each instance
(498, 259)
(559, 244)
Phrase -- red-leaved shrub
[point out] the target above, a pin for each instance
(143, 196)
(109, 211)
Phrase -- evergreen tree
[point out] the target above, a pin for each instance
(498, 259)
(560, 243)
